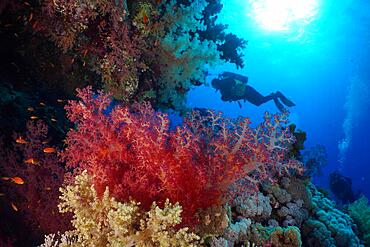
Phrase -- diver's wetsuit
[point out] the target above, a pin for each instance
(233, 87)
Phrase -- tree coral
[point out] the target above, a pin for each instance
(102, 221)
(133, 152)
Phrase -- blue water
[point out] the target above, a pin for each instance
(323, 66)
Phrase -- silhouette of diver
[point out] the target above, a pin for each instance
(233, 87)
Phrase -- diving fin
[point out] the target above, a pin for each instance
(284, 99)
(279, 105)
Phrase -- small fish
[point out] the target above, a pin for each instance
(52, 65)
(85, 52)
(48, 188)
(30, 109)
(53, 119)
(42, 103)
(31, 17)
(14, 207)
(60, 100)
(145, 19)
(158, 1)
(49, 150)
(33, 117)
(2, 194)
(5, 178)
(20, 140)
(35, 25)
(26, 3)
(45, 142)
(15, 65)
(31, 161)
(17, 180)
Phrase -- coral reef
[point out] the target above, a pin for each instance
(182, 54)
(325, 220)
(360, 213)
(314, 159)
(102, 221)
(228, 44)
(152, 50)
(298, 145)
(35, 199)
(341, 187)
(132, 180)
(289, 212)
(133, 152)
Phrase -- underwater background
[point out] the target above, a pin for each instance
(121, 124)
(321, 64)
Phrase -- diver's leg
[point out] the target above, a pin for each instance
(284, 99)
(255, 97)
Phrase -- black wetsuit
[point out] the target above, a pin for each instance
(233, 87)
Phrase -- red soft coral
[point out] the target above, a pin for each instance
(133, 152)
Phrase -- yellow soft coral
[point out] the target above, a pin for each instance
(106, 222)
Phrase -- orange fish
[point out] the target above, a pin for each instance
(31, 161)
(20, 140)
(14, 207)
(48, 188)
(30, 109)
(17, 180)
(34, 117)
(85, 52)
(145, 19)
(49, 150)
(31, 17)
(35, 25)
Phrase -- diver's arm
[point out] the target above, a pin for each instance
(235, 76)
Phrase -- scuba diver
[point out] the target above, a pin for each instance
(233, 87)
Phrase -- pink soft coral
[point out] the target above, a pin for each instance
(133, 152)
